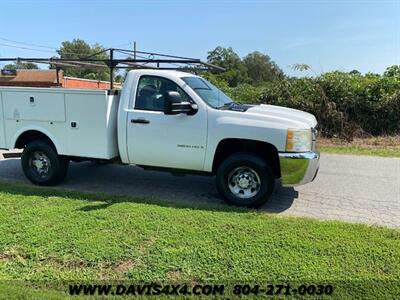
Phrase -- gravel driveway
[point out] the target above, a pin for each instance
(351, 188)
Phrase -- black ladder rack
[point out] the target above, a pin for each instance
(140, 60)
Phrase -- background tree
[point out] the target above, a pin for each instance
(119, 78)
(355, 72)
(393, 71)
(21, 65)
(78, 48)
(236, 72)
(260, 68)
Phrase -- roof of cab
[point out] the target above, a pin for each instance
(162, 72)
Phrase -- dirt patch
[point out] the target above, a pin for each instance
(173, 276)
(380, 142)
(13, 254)
(4, 257)
(124, 266)
(74, 264)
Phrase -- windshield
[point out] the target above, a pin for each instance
(208, 92)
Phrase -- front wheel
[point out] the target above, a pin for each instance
(244, 179)
(42, 165)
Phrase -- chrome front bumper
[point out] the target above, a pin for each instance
(298, 168)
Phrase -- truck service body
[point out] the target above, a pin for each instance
(161, 119)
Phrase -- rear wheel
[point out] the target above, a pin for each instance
(244, 179)
(42, 165)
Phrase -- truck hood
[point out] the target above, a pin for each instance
(289, 116)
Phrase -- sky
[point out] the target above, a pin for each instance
(327, 35)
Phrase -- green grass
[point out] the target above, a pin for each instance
(50, 236)
(18, 290)
(356, 150)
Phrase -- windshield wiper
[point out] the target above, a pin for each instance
(229, 104)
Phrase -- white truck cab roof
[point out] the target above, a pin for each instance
(163, 73)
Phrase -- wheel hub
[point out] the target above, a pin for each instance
(40, 163)
(244, 182)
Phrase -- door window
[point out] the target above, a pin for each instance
(151, 90)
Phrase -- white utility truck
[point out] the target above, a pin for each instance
(164, 120)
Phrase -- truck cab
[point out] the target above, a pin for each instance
(179, 121)
(167, 120)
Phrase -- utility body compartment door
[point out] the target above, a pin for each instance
(35, 105)
(159, 140)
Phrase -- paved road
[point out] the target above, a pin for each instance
(350, 188)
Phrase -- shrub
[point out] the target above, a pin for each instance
(345, 104)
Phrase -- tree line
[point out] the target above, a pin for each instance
(255, 68)
(346, 104)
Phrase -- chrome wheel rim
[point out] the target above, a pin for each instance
(244, 182)
(40, 164)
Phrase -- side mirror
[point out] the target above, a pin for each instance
(174, 105)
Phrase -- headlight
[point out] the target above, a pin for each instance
(298, 140)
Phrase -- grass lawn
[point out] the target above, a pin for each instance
(50, 235)
(377, 146)
(354, 150)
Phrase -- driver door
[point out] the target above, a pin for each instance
(159, 140)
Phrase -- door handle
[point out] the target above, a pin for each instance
(140, 121)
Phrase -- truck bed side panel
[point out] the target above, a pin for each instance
(55, 131)
(2, 131)
(90, 126)
(80, 123)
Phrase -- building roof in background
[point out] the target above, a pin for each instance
(48, 76)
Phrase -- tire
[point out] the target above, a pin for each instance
(42, 165)
(245, 179)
